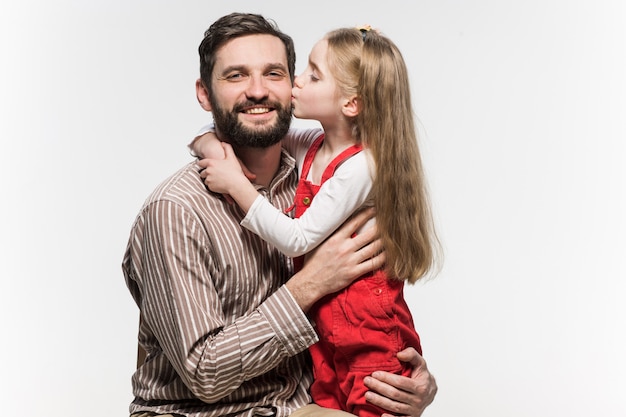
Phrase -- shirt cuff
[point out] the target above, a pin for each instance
(204, 129)
(292, 327)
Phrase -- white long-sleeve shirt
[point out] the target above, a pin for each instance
(340, 196)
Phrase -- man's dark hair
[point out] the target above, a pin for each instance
(233, 26)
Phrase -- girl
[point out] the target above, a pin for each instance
(356, 85)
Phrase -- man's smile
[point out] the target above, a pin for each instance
(257, 110)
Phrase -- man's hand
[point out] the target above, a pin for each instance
(406, 397)
(338, 261)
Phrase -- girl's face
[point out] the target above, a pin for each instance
(315, 94)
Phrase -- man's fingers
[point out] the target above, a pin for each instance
(369, 249)
(401, 395)
(370, 258)
(411, 356)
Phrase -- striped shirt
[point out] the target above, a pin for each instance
(224, 336)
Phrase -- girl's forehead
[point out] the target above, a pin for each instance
(319, 52)
(320, 47)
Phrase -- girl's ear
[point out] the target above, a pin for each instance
(202, 95)
(351, 107)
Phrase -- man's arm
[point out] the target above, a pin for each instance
(169, 271)
(337, 262)
(180, 305)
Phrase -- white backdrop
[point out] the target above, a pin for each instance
(522, 108)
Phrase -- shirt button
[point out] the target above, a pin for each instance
(306, 201)
(378, 291)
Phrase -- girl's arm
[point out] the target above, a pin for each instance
(339, 197)
(222, 171)
(206, 144)
(336, 200)
(297, 141)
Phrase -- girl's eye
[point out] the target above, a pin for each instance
(313, 77)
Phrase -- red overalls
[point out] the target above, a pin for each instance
(361, 328)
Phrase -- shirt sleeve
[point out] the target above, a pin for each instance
(182, 307)
(297, 142)
(339, 197)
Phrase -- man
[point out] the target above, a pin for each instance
(223, 323)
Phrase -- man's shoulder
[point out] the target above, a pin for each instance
(183, 187)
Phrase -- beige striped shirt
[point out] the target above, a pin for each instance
(224, 336)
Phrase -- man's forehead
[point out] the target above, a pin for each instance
(252, 50)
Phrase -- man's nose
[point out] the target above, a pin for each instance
(257, 87)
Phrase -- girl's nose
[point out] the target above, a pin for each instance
(297, 81)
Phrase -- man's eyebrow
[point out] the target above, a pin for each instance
(277, 65)
(234, 68)
(245, 69)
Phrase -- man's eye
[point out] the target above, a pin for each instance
(275, 74)
(234, 76)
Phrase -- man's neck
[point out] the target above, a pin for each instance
(262, 162)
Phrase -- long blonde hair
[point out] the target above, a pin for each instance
(368, 65)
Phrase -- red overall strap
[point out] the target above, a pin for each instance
(306, 166)
(310, 155)
(329, 171)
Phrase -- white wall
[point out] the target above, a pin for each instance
(522, 106)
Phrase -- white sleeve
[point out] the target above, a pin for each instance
(206, 129)
(339, 197)
(298, 141)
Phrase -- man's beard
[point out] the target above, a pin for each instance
(228, 124)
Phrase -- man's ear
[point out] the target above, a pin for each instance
(351, 107)
(202, 94)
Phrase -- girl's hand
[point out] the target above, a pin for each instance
(223, 175)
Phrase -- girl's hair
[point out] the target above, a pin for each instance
(368, 65)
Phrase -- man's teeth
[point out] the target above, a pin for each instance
(257, 110)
